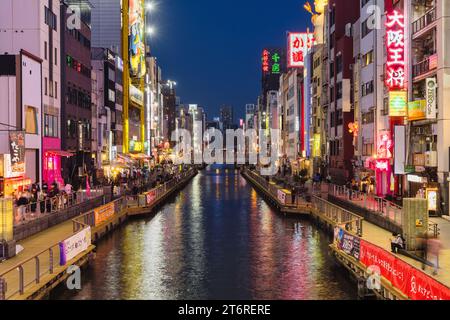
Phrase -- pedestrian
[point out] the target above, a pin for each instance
(396, 243)
(22, 205)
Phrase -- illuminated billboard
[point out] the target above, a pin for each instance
(137, 38)
(298, 45)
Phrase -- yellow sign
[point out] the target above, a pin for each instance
(398, 104)
(317, 145)
(103, 213)
(6, 219)
(416, 110)
(419, 223)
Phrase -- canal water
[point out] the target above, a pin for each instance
(218, 239)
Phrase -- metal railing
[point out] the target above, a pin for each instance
(17, 278)
(423, 66)
(424, 21)
(380, 206)
(339, 216)
(36, 210)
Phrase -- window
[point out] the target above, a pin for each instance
(364, 2)
(111, 74)
(367, 58)
(339, 118)
(367, 88)
(111, 95)
(339, 90)
(50, 86)
(56, 90)
(331, 69)
(50, 19)
(45, 50)
(332, 16)
(368, 149)
(339, 64)
(56, 57)
(368, 117)
(45, 86)
(365, 30)
(332, 94)
(31, 124)
(50, 126)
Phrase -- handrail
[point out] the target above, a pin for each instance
(385, 208)
(340, 216)
(53, 250)
(51, 205)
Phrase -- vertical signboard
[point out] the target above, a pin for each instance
(399, 149)
(430, 98)
(137, 38)
(298, 45)
(17, 152)
(395, 44)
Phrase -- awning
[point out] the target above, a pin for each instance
(60, 153)
(140, 156)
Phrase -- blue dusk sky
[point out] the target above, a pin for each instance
(212, 49)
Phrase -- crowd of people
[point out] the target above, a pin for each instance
(45, 200)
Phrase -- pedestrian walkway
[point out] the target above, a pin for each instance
(380, 237)
(37, 245)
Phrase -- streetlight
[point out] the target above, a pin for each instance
(150, 6)
(150, 30)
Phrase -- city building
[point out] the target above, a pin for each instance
(76, 89)
(33, 26)
(427, 68)
(20, 121)
(341, 16)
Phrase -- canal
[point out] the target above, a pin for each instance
(218, 239)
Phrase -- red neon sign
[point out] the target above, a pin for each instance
(265, 61)
(395, 43)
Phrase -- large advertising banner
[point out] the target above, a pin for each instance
(348, 243)
(74, 245)
(103, 213)
(151, 196)
(137, 38)
(411, 281)
(17, 152)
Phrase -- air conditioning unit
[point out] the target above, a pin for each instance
(431, 159)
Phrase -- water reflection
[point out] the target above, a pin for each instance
(216, 240)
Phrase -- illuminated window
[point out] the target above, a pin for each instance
(31, 125)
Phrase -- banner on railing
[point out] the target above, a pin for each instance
(103, 213)
(412, 282)
(74, 245)
(347, 242)
(282, 197)
(151, 196)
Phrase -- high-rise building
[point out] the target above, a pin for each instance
(226, 117)
(76, 107)
(32, 25)
(341, 16)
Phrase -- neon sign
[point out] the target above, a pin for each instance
(395, 43)
(382, 165)
(384, 146)
(265, 61)
(298, 45)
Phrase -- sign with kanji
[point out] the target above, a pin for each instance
(395, 44)
(272, 60)
(17, 151)
(298, 45)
